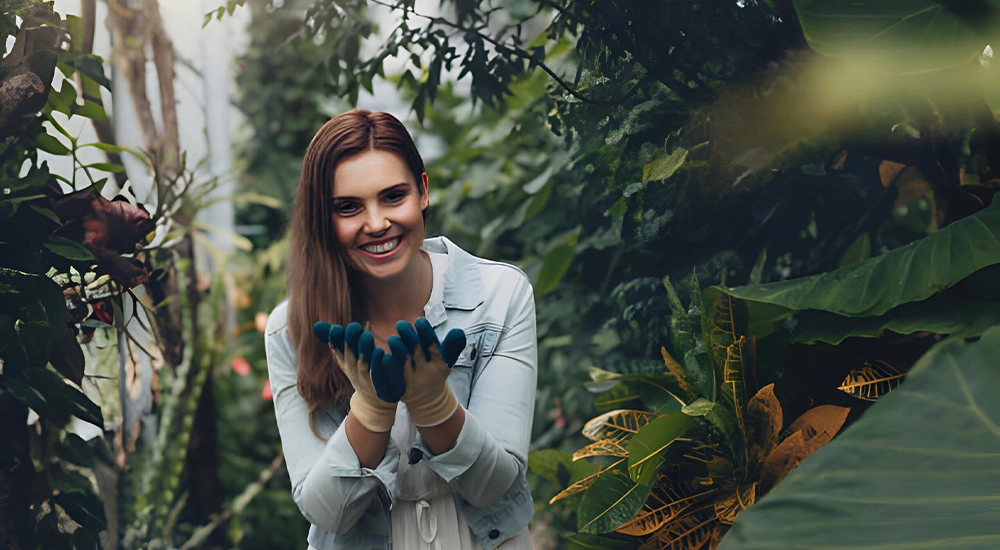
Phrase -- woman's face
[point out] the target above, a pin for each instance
(378, 212)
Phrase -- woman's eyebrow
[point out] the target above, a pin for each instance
(391, 188)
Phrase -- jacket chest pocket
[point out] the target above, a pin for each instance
(480, 343)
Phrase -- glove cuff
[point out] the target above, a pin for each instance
(375, 415)
(434, 411)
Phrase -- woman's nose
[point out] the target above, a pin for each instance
(377, 222)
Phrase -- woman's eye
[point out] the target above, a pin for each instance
(345, 207)
(395, 196)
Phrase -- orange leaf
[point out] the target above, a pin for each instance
(815, 428)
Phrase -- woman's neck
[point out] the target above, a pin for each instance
(401, 297)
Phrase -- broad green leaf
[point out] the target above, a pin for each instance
(919, 470)
(873, 287)
(648, 448)
(68, 249)
(964, 310)
(612, 500)
(50, 144)
(900, 36)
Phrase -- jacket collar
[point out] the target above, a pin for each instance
(463, 287)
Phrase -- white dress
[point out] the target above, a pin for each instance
(424, 514)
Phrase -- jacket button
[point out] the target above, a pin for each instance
(494, 534)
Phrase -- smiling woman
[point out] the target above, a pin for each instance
(438, 359)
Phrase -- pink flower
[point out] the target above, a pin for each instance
(266, 394)
(260, 321)
(241, 367)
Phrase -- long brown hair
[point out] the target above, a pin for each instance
(321, 284)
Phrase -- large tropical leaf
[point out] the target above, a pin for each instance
(874, 287)
(900, 36)
(966, 309)
(920, 469)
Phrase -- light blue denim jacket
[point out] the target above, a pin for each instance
(494, 379)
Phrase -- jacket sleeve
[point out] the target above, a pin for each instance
(491, 452)
(329, 485)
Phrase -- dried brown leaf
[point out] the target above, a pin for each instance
(815, 428)
(764, 421)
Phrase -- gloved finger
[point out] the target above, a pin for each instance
(379, 376)
(321, 330)
(366, 346)
(387, 376)
(451, 348)
(352, 334)
(398, 348)
(428, 339)
(407, 335)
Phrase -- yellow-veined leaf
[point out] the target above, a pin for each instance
(689, 532)
(604, 447)
(728, 508)
(617, 425)
(666, 503)
(583, 484)
(871, 380)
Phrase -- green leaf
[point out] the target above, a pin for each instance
(859, 251)
(91, 110)
(663, 167)
(107, 167)
(584, 541)
(83, 408)
(964, 310)
(873, 287)
(716, 413)
(920, 469)
(45, 212)
(559, 467)
(65, 353)
(649, 447)
(555, 266)
(66, 248)
(50, 144)
(610, 501)
(899, 36)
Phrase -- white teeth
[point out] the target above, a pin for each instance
(382, 248)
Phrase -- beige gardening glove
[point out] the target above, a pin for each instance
(352, 349)
(424, 364)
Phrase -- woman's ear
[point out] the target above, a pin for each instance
(425, 199)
